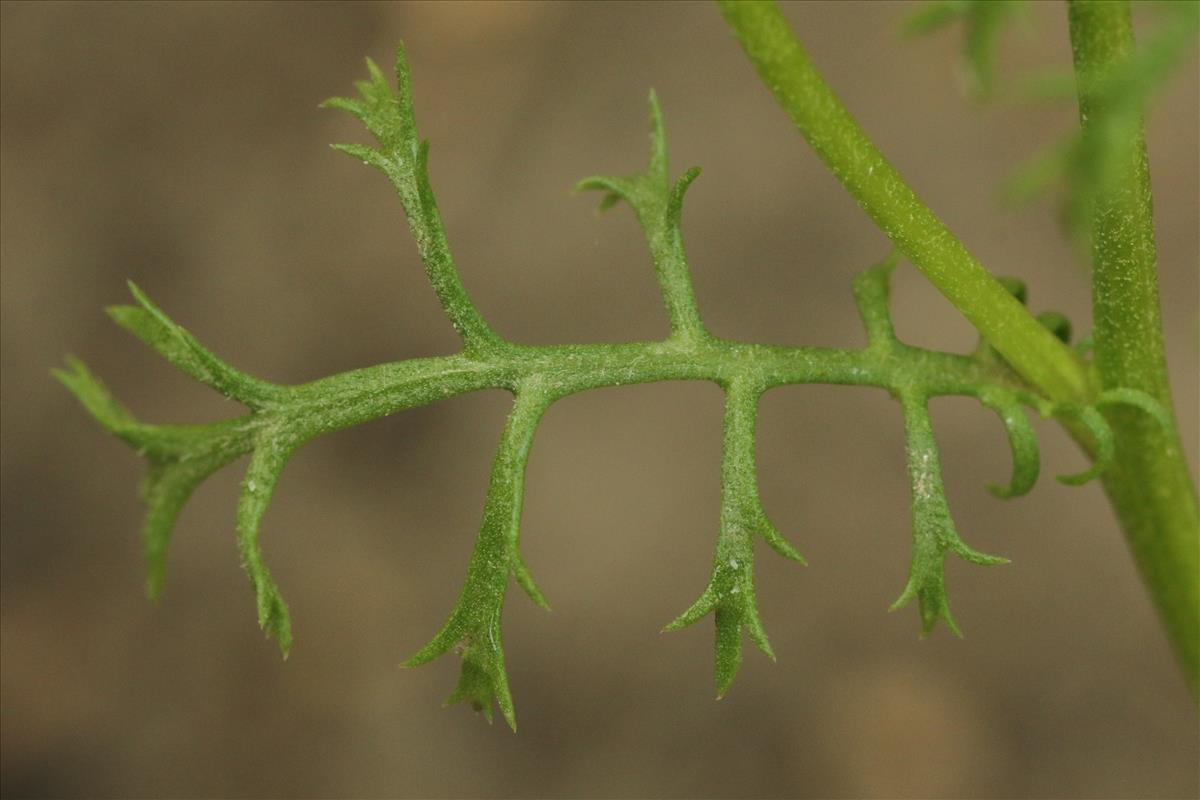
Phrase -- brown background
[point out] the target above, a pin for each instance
(180, 146)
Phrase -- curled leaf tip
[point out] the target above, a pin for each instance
(1026, 457)
(1136, 398)
(1102, 439)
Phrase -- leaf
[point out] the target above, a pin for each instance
(148, 323)
(1138, 399)
(933, 528)
(730, 594)
(475, 620)
(615, 190)
(658, 205)
(1086, 164)
(1056, 323)
(1100, 432)
(675, 199)
(1039, 174)
(1023, 442)
(526, 582)
(178, 459)
(658, 142)
(482, 685)
(934, 16)
(403, 158)
(871, 291)
(367, 155)
(273, 448)
(281, 419)
(165, 490)
(779, 544)
(984, 22)
(99, 402)
(1091, 419)
(1016, 287)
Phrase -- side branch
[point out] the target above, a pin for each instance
(475, 622)
(403, 158)
(730, 594)
(933, 528)
(658, 204)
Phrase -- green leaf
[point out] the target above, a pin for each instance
(1100, 432)
(369, 156)
(675, 199)
(615, 189)
(1087, 163)
(776, 542)
(1102, 436)
(930, 17)
(148, 323)
(525, 580)
(99, 402)
(933, 528)
(483, 684)
(730, 593)
(1016, 287)
(1136, 398)
(984, 22)
(403, 158)
(178, 458)
(730, 596)
(475, 619)
(1056, 323)
(659, 207)
(871, 291)
(165, 490)
(1023, 441)
(281, 419)
(272, 450)
(658, 142)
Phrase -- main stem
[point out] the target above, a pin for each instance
(1148, 483)
(786, 69)
(1149, 486)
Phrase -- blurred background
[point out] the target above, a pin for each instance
(180, 145)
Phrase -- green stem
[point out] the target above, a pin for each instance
(354, 397)
(340, 401)
(917, 232)
(1148, 484)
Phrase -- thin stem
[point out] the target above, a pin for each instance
(1148, 483)
(404, 158)
(917, 232)
(361, 395)
(351, 398)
